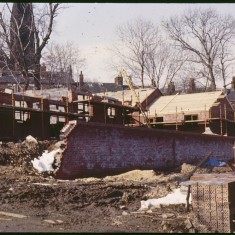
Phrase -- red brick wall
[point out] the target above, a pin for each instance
(97, 149)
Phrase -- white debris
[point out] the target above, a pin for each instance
(31, 139)
(49, 221)
(175, 198)
(43, 184)
(59, 221)
(44, 163)
(208, 131)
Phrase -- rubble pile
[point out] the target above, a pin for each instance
(20, 155)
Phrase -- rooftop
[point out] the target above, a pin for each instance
(127, 95)
(185, 102)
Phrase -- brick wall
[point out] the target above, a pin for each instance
(97, 149)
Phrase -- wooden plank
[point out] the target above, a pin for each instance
(13, 215)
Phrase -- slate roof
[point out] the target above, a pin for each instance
(100, 87)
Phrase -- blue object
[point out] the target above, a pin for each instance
(213, 162)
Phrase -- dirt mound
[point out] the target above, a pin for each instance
(135, 175)
(187, 168)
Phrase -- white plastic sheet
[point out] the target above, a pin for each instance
(44, 163)
(175, 198)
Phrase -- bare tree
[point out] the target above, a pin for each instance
(225, 60)
(25, 30)
(164, 63)
(136, 40)
(146, 55)
(201, 31)
(63, 58)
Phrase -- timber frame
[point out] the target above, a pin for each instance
(43, 118)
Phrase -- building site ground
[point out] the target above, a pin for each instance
(37, 202)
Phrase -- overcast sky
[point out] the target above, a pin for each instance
(92, 27)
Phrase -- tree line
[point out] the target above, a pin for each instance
(196, 45)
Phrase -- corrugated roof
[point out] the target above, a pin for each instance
(141, 93)
(184, 102)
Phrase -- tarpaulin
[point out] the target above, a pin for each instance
(213, 162)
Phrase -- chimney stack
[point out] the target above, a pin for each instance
(171, 88)
(80, 80)
(192, 86)
(119, 80)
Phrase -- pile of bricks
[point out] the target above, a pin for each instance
(213, 201)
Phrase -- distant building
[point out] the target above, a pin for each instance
(194, 112)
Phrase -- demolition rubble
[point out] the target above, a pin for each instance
(33, 200)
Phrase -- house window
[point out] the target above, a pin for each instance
(20, 104)
(61, 109)
(82, 108)
(36, 105)
(111, 112)
(86, 108)
(18, 115)
(159, 119)
(61, 119)
(53, 119)
(22, 116)
(26, 116)
(80, 97)
(53, 107)
(191, 117)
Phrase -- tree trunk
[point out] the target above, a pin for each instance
(26, 79)
(142, 76)
(213, 85)
(37, 74)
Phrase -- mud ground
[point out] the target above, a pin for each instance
(33, 202)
